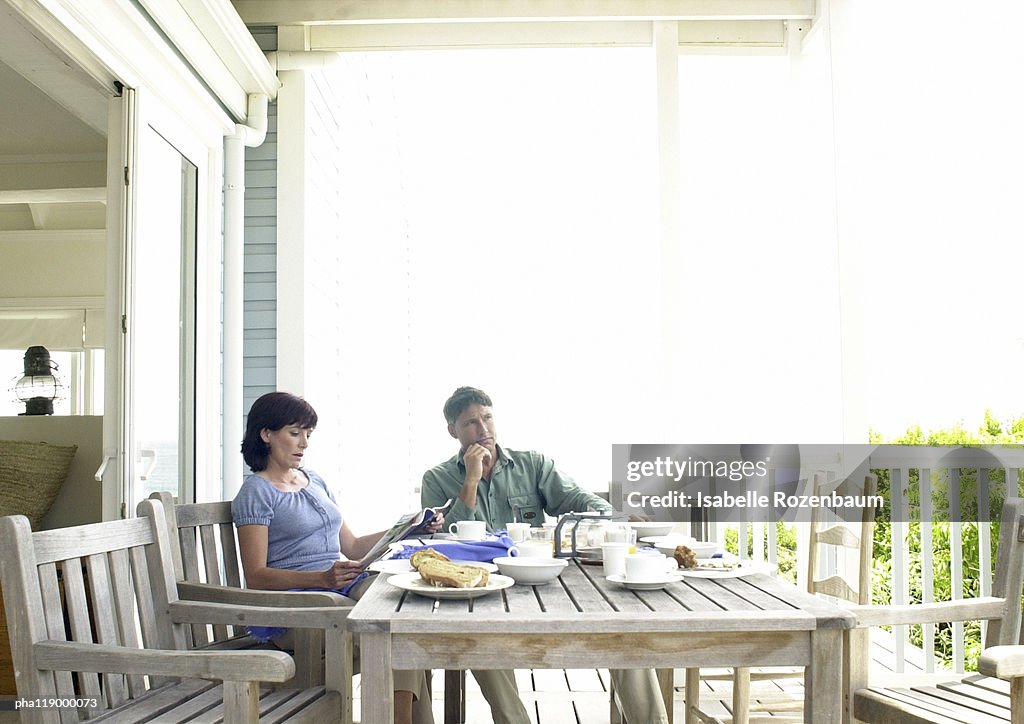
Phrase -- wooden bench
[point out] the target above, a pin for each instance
(996, 693)
(207, 568)
(117, 645)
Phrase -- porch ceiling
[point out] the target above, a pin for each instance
(433, 24)
(315, 12)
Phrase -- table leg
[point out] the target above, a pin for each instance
(823, 684)
(376, 687)
(667, 685)
(741, 695)
(856, 663)
(455, 696)
(692, 694)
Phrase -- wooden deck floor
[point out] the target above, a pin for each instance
(556, 696)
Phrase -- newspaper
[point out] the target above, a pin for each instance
(408, 525)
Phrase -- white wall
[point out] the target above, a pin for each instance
(52, 264)
(80, 499)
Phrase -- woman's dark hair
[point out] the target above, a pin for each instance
(461, 399)
(272, 411)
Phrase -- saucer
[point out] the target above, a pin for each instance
(653, 585)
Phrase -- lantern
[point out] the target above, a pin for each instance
(38, 388)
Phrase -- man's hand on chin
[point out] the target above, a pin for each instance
(476, 458)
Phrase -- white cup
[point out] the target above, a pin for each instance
(614, 555)
(641, 567)
(468, 529)
(619, 533)
(518, 531)
(535, 549)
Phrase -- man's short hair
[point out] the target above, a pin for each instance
(461, 399)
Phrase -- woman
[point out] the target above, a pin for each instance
(290, 530)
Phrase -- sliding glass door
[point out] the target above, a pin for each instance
(158, 323)
(165, 240)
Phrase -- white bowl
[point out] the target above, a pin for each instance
(651, 527)
(531, 571)
(701, 549)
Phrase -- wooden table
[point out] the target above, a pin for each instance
(583, 621)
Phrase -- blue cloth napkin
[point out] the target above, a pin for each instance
(465, 550)
(263, 634)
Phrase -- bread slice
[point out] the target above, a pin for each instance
(419, 556)
(444, 573)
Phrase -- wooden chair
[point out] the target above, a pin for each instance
(996, 693)
(822, 533)
(207, 568)
(96, 619)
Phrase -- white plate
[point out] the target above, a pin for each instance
(648, 527)
(620, 578)
(681, 540)
(413, 583)
(402, 565)
(745, 568)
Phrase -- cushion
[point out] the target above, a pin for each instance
(31, 475)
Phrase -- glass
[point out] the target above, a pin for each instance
(164, 236)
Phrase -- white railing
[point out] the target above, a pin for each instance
(917, 473)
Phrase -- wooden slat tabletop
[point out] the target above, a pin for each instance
(582, 619)
(582, 595)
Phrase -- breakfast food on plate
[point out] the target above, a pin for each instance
(719, 564)
(437, 569)
(685, 557)
(416, 558)
(451, 575)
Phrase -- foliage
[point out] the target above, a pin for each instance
(785, 549)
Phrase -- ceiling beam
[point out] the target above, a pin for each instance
(49, 69)
(55, 196)
(409, 36)
(318, 12)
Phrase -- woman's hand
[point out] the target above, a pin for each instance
(436, 523)
(341, 574)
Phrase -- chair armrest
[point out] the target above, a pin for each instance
(274, 666)
(214, 593)
(1004, 662)
(322, 617)
(986, 608)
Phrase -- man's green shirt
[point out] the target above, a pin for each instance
(523, 486)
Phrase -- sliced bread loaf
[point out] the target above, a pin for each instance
(419, 556)
(444, 573)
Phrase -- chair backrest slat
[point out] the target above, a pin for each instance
(24, 606)
(126, 612)
(211, 563)
(840, 535)
(54, 615)
(211, 556)
(208, 552)
(160, 563)
(76, 603)
(193, 515)
(61, 543)
(147, 616)
(189, 554)
(1009, 579)
(105, 627)
(232, 571)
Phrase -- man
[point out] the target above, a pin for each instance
(498, 485)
